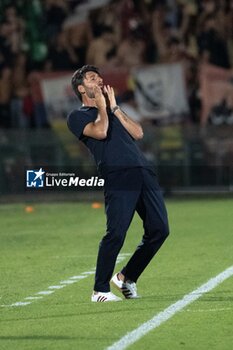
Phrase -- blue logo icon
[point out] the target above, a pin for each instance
(35, 178)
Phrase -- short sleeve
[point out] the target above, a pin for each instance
(77, 120)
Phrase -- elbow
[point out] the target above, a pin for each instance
(101, 135)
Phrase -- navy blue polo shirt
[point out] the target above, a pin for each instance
(117, 151)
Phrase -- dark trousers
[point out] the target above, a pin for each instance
(128, 191)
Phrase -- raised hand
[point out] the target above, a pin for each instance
(110, 95)
(99, 97)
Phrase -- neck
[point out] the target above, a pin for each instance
(88, 102)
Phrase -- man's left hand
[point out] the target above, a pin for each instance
(111, 96)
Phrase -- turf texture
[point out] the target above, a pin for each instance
(44, 244)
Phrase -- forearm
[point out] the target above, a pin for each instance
(101, 123)
(133, 128)
(99, 128)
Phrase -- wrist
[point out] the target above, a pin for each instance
(114, 109)
(101, 107)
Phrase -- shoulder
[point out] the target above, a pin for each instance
(79, 113)
(72, 115)
(81, 116)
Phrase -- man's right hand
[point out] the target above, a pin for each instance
(99, 98)
(99, 128)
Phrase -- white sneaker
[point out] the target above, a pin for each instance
(103, 297)
(127, 288)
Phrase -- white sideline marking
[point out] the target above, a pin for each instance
(210, 310)
(45, 292)
(69, 281)
(33, 298)
(81, 277)
(133, 336)
(19, 303)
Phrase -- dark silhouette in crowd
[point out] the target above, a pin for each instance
(61, 55)
(5, 97)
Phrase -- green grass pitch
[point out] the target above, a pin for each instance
(39, 249)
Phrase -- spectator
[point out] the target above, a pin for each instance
(174, 51)
(79, 34)
(6, 48)
(211, 43)
(109, 15)
(20, 91)
(230, 30)
(5, 97)
(102, 50)
(129, 14)
(55, 12)
(61, 55)
(132, 50)
(16, 28)
(161, 31)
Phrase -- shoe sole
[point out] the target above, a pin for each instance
(105, 301)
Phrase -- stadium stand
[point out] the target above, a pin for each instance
(41, 38)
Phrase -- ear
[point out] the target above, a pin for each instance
(81, 89)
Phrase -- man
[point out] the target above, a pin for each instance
(130, 184)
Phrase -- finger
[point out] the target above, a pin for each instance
(110, 88)
(97, 90)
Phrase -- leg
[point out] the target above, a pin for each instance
(152, 210)
(120, 206)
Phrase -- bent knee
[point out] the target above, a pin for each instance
(161, 231)
(114, 237)
(165, 232)
(165, 229)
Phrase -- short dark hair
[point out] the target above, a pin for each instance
(79, 75)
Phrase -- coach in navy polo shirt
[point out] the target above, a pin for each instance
(130, 183)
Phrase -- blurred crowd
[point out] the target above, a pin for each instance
(60, 35)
